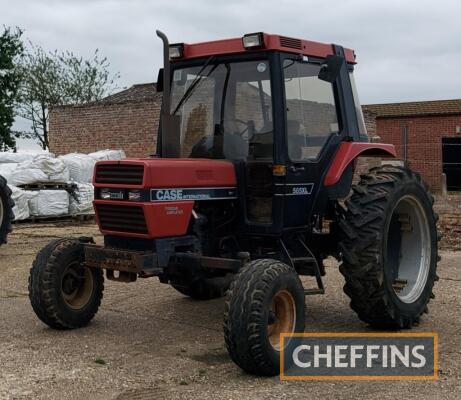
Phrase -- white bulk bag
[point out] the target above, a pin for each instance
(80, 166)
(81, 202)
(21, 203)
(107, 154)
(24, 176)
(48, 202)
(6, 170)
(7, 157)
(42, 168)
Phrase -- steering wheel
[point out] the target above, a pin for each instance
(244, 130)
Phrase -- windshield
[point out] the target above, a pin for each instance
(225, 110)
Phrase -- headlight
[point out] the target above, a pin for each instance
(253, 40)
(134, 195)
(105, 194)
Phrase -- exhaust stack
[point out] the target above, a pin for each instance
(169, 133)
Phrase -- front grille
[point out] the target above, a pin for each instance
(120, 173)
(121, 218)
(290, 42)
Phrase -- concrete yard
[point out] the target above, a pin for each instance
(150, 342)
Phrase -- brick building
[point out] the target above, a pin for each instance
(127, 120)
(427, 136)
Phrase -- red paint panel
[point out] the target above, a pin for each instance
(349, 151)
(183, 172)
(162, 219)
(272, 42)
(350, 56)
(169, 218)
(178, 172)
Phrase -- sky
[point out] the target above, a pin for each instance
(407, 50)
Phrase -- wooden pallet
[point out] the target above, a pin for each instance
(49, 186)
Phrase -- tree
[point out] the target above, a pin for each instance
(57, 78)
(11, 49)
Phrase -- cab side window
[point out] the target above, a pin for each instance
(310, 110)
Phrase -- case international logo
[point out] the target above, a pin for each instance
(359, 356)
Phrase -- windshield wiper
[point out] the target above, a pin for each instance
(194, 83)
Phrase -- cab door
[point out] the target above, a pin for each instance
(312, 131)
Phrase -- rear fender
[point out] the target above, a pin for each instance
(349, 151)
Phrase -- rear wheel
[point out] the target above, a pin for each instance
(63, 292)
(6, 210)
(389, 248)
(265, 299)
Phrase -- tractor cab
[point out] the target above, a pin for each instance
(276, 107)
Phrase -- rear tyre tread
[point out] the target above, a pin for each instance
(362, 235)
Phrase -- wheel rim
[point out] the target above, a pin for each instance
(77, 286)
(409, 249)
(282, 317)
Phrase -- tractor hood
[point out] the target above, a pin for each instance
(154, 197)
(164, 173)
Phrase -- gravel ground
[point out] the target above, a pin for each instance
(152, 343)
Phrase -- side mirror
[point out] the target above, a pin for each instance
(159, 85)
(331, 68)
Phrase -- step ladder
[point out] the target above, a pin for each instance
(308, 259)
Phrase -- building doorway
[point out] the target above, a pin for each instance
(451, 159)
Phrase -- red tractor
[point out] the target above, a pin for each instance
(250, 188)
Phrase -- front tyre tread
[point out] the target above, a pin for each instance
(245, 317)
(45, 291)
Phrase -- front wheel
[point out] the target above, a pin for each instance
(389, 248)
(265, 299)
(63, 292)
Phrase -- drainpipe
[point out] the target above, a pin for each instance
(405, 144)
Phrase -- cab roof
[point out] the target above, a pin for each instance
(271, 43)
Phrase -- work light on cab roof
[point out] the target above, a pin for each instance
(253, 40)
